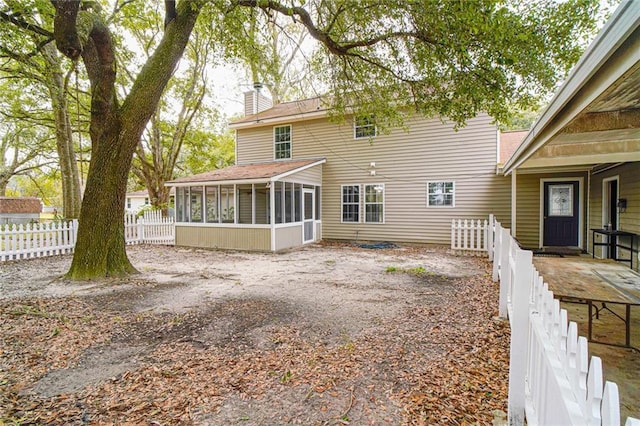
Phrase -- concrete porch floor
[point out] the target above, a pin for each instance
(584, 277)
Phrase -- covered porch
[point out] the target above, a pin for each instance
(578, 168)
(256, 207)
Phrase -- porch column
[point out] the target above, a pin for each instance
(514, 193)
(272, 214)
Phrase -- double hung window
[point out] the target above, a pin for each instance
(351, 203)
(371, 202)
(441, 194)
(364, 127)
(282, 142)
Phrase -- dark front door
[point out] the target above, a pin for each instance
(561, 213)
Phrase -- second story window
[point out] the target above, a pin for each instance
(282, 142)
(364, 127)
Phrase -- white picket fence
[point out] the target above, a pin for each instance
(471, 236)
(551, 379)
(151, 228)
(25, 241)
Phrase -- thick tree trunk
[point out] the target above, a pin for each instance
(4, 181)
(71, 191)
(100, 250)
(115, 130)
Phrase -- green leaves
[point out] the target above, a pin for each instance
(453, 59)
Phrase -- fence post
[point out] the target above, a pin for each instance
(497, 253)
(140, 222)
(489, 237)
(505, 273)
(523, 275)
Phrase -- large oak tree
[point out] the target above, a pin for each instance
(28, 57)
(452, 59)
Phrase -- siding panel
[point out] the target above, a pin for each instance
(257, 239)
(289, 236)
(404, 162)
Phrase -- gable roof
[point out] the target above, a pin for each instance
(20, 205)
(285, 112)
(593, 117)
(249, 172)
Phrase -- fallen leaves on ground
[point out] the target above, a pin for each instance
(444, 362)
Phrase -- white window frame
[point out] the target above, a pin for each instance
(367, 203)
(358, 203)
(365, 127)
(453, 194)
(276, 143)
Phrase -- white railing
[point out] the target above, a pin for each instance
(25, 241)
(471, 236)
(551, 380)
(151, 228)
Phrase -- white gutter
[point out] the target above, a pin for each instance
(616, 31)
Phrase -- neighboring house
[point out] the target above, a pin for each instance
(19, 209)
(137, 200)
(300, 178)
(578, 168)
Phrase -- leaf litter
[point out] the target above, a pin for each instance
(440, 357)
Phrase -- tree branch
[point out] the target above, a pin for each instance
(25, 25)
(323, 36)
(169, 12)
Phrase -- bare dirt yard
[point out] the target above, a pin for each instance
(330, 334)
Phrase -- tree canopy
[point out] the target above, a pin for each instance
(453, 59)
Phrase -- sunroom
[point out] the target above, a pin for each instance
(257, 207)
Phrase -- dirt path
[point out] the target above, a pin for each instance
(329, 334)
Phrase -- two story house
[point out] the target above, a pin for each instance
(300, 177)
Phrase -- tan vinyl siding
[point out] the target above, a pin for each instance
(310, 176)
(528, 210)
(529, 204)
(629, 188)
(262, 215)
(289, 236)
(404, 163)
(258, 239)
(244, 212)
(255, 145)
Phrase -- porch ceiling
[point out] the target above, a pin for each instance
(594, 117)
(607, 131)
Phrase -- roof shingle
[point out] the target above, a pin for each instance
(20, 205)
(247, 171)
(286, 109)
